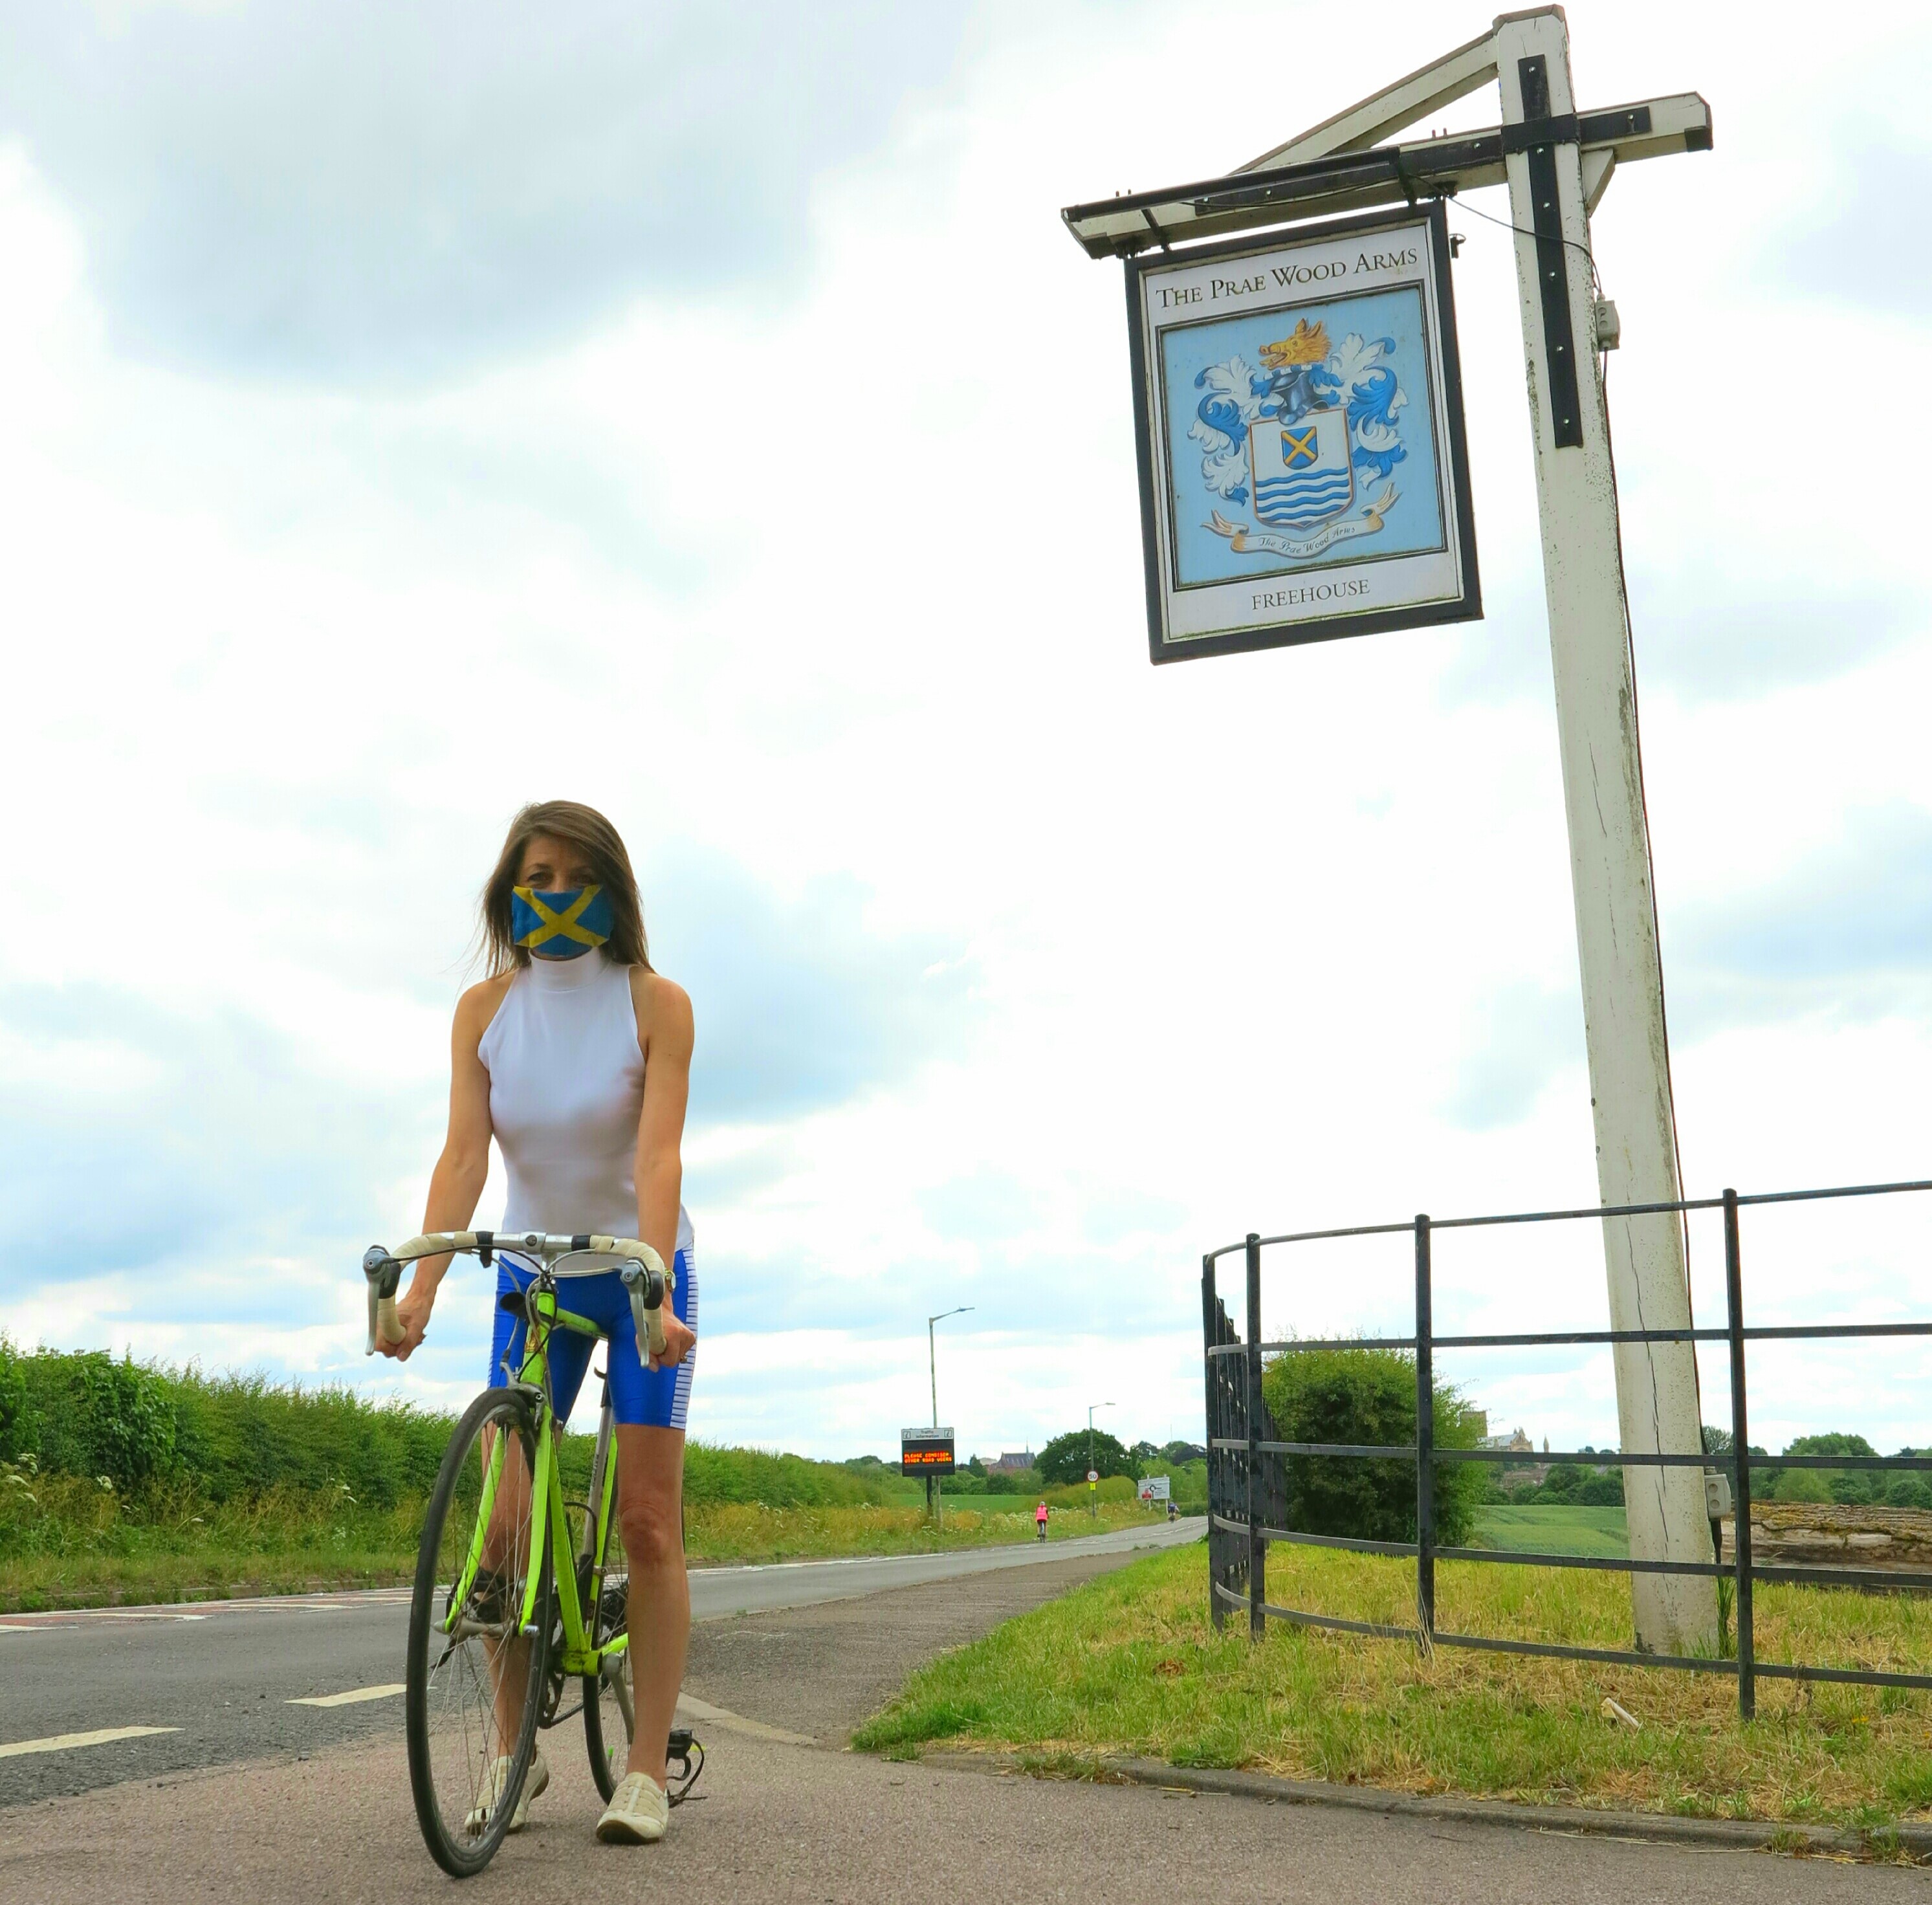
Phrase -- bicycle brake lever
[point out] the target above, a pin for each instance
(384, 1273)
(647, 1289)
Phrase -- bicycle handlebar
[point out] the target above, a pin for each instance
(644, 1277)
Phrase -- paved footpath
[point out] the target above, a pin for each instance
(784, 1815)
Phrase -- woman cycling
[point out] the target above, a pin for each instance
(575, 1056)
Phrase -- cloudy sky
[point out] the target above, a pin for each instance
(701, 412)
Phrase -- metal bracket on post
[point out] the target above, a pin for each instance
(1537, 137)
(1257, 1547)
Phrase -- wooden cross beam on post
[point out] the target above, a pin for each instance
(1557, 162)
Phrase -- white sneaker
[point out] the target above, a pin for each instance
(535, 1780)
(638, 1814)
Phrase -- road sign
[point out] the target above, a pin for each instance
(1155, 1488)
(1298, 419)
(926, 1451)
(1093, 1476)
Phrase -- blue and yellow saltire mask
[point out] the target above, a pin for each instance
(560, 926)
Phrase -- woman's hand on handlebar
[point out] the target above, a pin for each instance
(680, 1341)
(413, 1309)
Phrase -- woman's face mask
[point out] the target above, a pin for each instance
(560, 926)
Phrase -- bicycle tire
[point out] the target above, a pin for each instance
(462, 1806)
(610, 1700)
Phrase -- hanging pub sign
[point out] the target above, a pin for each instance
(926, 1451)
(1298, 416)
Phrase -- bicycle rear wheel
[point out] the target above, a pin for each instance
(469, 1750)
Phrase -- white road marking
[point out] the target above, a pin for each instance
(64, 1742)
(21, 1627)
(354, 1697)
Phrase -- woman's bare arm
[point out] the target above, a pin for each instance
(665, 1037)
(457, 1183)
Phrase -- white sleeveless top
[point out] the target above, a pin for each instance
(566, 1087)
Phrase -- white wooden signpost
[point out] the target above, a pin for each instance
(1557, 162)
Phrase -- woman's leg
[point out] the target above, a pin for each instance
(650, 1503)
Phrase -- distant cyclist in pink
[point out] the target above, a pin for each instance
(1039, 1519)
(575, 1058)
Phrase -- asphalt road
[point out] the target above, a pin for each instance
(180, 1687)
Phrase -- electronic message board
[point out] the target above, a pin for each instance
(926, 1451)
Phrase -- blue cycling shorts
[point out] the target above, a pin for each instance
(654, 1399)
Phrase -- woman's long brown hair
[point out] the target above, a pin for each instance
(587, 830)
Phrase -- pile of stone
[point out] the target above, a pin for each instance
(1826, 1535)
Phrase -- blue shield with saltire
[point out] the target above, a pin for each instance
(1303, 472)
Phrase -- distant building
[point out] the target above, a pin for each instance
(1532, 1473)
(1011, 1461)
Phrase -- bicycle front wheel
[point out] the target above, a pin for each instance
(474, 1676)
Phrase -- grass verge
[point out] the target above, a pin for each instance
(1130, 1664)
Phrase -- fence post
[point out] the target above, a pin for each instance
(1209, 1336)
(1425, 1443)
(1740, 1496)
(1257, 1547)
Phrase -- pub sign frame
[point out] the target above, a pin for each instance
(1298, 428)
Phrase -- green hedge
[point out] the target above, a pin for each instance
(232, 1438)
(779, 1481)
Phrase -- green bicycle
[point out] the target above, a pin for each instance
(499, 1626)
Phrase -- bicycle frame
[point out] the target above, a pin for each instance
(650, 1284)
(550, 1522)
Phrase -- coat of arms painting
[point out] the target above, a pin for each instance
(1291, 432)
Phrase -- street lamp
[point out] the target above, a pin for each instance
(1093, 1488)
(932, 1370)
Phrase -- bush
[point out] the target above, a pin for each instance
(88, 1415)
(1803, 1485)
(1852, 1487)
(1368, 1396)
(1908, 1492)
(1563, 1482)
(13, 1402)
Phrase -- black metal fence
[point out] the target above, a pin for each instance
(1247, 1480)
